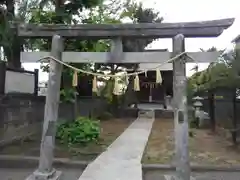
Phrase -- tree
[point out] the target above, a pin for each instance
(63, 10)
(69, 12)
(100, 14)
(4, 27)
(222, 74)
(138, 14)
(11, 50)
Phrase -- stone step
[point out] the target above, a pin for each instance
(159, 113)
(142, 113)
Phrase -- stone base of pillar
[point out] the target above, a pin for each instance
(53, 175)
(173, 177)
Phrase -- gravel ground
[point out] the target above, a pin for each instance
(217, 176)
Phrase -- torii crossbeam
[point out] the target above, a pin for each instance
(128, 57)
(108, 31)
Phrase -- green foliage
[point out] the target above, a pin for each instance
(215, 76)
(94, 12)
(68, 95)
(190, 133)
(70, 7)
(68, 92)
(35, 11)
(194, 123)
(190, 91)
(107, 91)
(81, 131)
(5, 30)
(220, 74)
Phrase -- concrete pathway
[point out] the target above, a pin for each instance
(122, 160)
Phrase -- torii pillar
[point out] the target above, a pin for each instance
(45, 171)
(180, 111)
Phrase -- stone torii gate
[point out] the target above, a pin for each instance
(177, 31)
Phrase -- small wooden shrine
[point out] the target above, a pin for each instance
(150, 91)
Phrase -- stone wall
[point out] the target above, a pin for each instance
(22, 115)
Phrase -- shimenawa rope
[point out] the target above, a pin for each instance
(136, 79)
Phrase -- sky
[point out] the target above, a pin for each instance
(187, 11)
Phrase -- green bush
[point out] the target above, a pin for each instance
(81, 131)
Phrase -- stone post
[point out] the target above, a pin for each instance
(180, 111)
(116, 53)
(197, 111)
(45, 170)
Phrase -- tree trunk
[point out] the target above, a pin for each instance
(59, 20)
(234, 133)
(58, 10)
(14, 51)
(212, 109)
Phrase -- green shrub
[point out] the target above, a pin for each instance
(81, 131)
(194, 123)
(190, 133)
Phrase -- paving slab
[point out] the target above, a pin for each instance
(122, 159)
